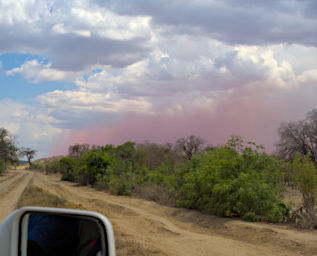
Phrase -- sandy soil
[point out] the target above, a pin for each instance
(169, 231)
(12, 185)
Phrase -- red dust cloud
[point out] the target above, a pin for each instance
(256, 117)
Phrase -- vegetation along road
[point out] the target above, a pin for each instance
(147, 228)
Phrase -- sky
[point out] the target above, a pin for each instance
(105, 71)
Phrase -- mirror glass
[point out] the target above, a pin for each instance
(46, 234)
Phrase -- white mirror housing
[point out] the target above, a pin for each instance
(11, 228)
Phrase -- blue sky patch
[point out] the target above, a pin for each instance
(16, 87)
(13, 60)
(93, 72)
(96, 71)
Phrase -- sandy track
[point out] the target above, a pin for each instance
(165, 230)
(170, 231)
(12, 185)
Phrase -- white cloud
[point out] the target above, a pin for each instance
(179, 70)
(74, 35)
(278, 73)
(94, 102)
(34, 126)
(59, 29)
(109, 25)
(37, 72)
(231, 21)
(152, 57)
(308, 76)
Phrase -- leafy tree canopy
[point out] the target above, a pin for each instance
(8, 148)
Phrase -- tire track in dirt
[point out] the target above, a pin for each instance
(11, 190)
(10, 182)
(7, 175)
(151, 225)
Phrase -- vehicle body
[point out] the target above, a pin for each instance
(15, 230)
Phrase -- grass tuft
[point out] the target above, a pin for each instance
(35, 196)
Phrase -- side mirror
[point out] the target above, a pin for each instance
(40, 231)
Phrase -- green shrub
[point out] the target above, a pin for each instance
(1, 166)
(305, 177)
(225, 182)
(52, 167)
(120, 185)
(90, 165)
(35, 166)
(101, 182)
(278, 213)
(250, 216)
(67, 167)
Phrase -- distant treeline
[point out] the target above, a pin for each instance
(231, 180)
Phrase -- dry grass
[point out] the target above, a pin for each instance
(125, 245)
(293, 196)
(21, 167)
(154, 192)
(131, 247)
(35, 196)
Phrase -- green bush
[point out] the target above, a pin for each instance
(226, 183)
(305, 178)
(101, 182)
(1, 166)
(90, 165)
(67, 167)
(35, 166)
(278, 213)
(120, 185)
(232, 181)
(250, 216)
(52, 167)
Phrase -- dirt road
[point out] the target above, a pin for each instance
(12, 185)
(161, 230)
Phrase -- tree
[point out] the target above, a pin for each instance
(299, 137)
(156, 154)
(28, 153)
(78, 150)
(90, 165)
(190, 145)
(305, 177)
(8, 149)
(66, 166)
(235, 142)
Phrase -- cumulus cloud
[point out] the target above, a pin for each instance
(162, 69)
(231, 21)
(165, 83)
(308, 76)
(73, 35)
(37, 72)
(163, 74)
(34, 127)
(79, 108)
